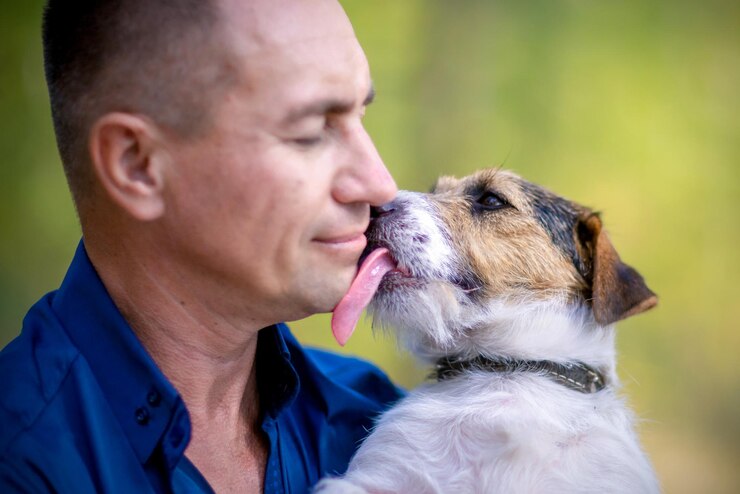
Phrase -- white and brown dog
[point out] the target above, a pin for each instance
(512, 292)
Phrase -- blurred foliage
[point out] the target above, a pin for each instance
(630, 107)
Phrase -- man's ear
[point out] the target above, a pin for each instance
(128, 159)
(617, 290)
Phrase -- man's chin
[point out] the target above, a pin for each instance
(334, 296)
(320, 298)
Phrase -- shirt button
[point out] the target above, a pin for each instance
(177, 435)
(154, 398)
(142, 416)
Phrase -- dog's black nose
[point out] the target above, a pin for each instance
(384, 210)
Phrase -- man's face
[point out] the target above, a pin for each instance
(267, 210)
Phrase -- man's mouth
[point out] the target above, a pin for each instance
(352, 241)
(344, 238)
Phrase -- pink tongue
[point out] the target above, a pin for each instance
(348, 310)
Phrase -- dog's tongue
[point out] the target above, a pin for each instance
(348, 310)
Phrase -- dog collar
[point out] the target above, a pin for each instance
(573, 375)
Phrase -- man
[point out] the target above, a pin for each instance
(223, 180)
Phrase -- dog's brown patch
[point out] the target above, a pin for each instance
(538, 246)
(509, 249)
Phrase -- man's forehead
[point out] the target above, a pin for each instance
(275, 24)
(293, 53)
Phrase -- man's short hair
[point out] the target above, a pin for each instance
(154, 57)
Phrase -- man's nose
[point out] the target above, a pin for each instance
(365, 179)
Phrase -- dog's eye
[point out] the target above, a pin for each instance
(491, 201)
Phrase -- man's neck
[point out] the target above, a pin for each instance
(207, 355)
(209, 358)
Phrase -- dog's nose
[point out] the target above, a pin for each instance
(384, 210)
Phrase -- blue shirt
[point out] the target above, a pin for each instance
(84, 408)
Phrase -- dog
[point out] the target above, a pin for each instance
(512, 293)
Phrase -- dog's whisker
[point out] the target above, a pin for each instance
(633, 378)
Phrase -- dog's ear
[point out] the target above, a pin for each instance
(617, 290)
(443, 183)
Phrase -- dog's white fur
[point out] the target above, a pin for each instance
(488, 432)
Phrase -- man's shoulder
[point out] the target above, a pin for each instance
(355, 373)
(34, 366)
(337, 400)
(343, 374)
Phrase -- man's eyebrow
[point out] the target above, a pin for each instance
(326, 106)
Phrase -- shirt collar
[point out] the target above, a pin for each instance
(277, 380)
(145, 403)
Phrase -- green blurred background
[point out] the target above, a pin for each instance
(629, 107)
